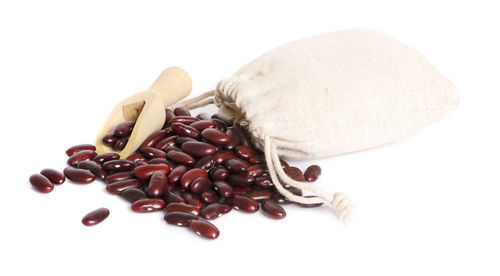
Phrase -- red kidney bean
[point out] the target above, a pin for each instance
(260, 194)
(312, 173)
(140, 163)
(154, 138)
(273, 209)
(95, 217)
(162, 161)
(295, 191)
(183, 139)
(279, 198)
(148, 205)
(257, 159)
(190, 175)
(120, 143)
(256, 170)
(200, 184)
(182, 207)
(234, 140)
(223, 188)
(180, 218)
(117, 187)
(241, 190)
(171, 197)
(117, 177)
(222, 156)
(78, 175)
(203, 116)
(205, 163)
(203, 124)
(215, 136)
(124, 129)
(133, 194)
(169, 114)
(219, 125)
(204, 229)
(171, 148)
(227, 122)
(181, 111)
(243, 203)
(118, 165)
(192, 199)
(145, 171)
(55, 177)
(109, 139)
(81, 156)
(294, 173)
(240, 180)
(180, 157)
(305, 205)
(183, 120)
(136, 157)
(284, 164)
(151, 153)
(244, 152)
(157, 184)
(236, 165)
(184, 130)
(94, 167)
(74, 149)
(242, 133)
(102, 158)
(169, 141)
(209, 196)
(219, 173)
(198, 149)
(263, 181)
(41, 183)
(215, 210)
(176, 174)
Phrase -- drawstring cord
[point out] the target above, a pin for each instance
(340, 202)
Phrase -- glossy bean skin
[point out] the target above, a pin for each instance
(295, 191)
(136, 157)
(55, 177)
(181, 111)
(145, 171)
(117, 187)
(256, 170)
(133, 194)
(200, 184)
(171, 148)
(95, 217)
(94, 167)
(120, 143)
(183, 139)
(215, 136)
(182, 207)
(118, 165)
(154, 138)
(109, 139)
(150, 153)
(148, 205)
(171, 197)
(180, 157)
(192, 199)
(157, 184)
(124, 129)
(117, 177)
(81, 156)
(243, 203)
(184, 130)
(205, 163)
(183, 120)
(240, 180)
(236, 165)
(190, 175)
(223, 188)
(176, 174)
(169, 114)
(312, 173)
(209, 196)
(294, 173)
(242, 133)
(219, 173)
(204, 229)
(180, 218)
(102, 158)
(279, 198)
(257, 159)
(169, 141)
(260, 194)
(222, 156)
(203, 116)
(41, 183)
(162, 161)
(241, 190)
(74, 149)
(198, 149)
(244, 152)
(219, 125)
(263, 181)
(203, 124)
(234, 140)
(305, 205)
(273, 209)
(215, 210)
(78, 175)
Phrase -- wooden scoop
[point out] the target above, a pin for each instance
(147, 109)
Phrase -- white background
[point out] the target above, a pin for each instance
(429, 205)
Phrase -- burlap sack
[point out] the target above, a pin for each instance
(330, 94)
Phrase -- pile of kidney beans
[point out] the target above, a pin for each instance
(195, 169)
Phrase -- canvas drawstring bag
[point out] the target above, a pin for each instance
(330, 94)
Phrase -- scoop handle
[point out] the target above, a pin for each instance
(173, 85)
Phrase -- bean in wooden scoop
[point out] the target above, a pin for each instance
(147, 109)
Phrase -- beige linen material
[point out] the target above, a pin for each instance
(330, 94)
